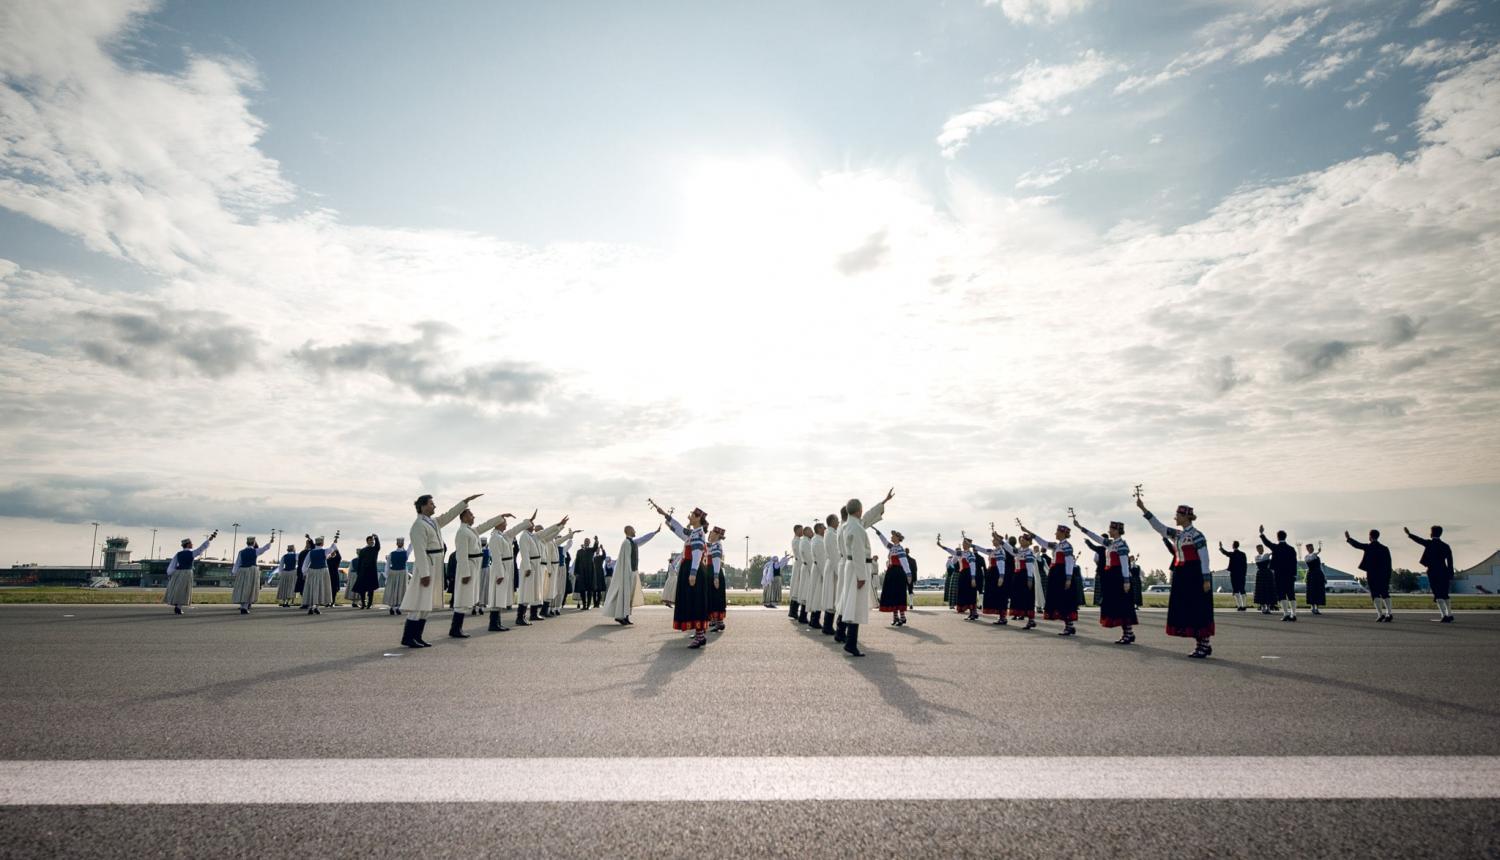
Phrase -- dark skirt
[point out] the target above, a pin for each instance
(949, 580)
(965, 592)
(1079, 594)
(994, 592)
(1380, 585)
(691, 610)
(1190, 609)
(1116, 608)
(1022, 597)
(718, 598)
(1137, 588)
(1237, 582)
(1062, 597)
(1317, 589)
(1286, 585)
(1265, 585)
(893, 590)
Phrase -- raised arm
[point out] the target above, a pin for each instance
(1161, 528)
(676, 528)
(1420, 540)
(883, 542)
(261, 550)
(447, 516)
(198, 550)
(522, 526)
(638, 541)
(1095, 538)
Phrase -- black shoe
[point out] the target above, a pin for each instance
(1447, 619)
(495, 622)
(699, 641)
(521, 617)
(416, 633)
(1241, 609)
(176, 610)
(1030, 624)
(828, 624)
(851, 645)
(407, 631)
(456, 628)
(390, 610)
(244, 611)
(815, 620)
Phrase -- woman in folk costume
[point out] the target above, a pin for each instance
(995, 597)
(317, 588)
(1190, 608)
(397, 562)
(247, 573)
(897, 586)
(1265, 580)
(1023, 582)
(1112, 587)
(625, 592)
(286, 577)
(179, 591)
(718, 593)
(965, 577)
(1062, 599)
(1317, 582)
(424, 590)
(690, 603)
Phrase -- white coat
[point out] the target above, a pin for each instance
(426, 563)
(625, 591)
(466, 572)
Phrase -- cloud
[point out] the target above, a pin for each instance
(146, 346)
(1241, 38)
(1059, 170)
(1325, 67)
(1398, 329)
(867, 256)
(1039, 11)
(1442, 52)
(1435, 8)
(1220, 376)
(422, 367)
(1033, 97)
(1280, 38)
(1353, 33)
(1309, 359)
(1462, 111)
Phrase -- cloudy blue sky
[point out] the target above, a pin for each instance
(289, 264)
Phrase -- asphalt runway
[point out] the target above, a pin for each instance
(136, 682)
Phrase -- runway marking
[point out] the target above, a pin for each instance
(544, 780)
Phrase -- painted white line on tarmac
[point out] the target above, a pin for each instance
(532, 780)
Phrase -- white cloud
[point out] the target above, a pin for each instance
(1039, 11)
(1441, 52)
(1378, 127)
(1435, 8)
(1325, 67)
(1035, 95)
(1279, 38)
(1353, 33)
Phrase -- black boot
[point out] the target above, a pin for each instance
(495, 625)
(815, 620)
(546, 609)
(521, 617)
(842, 633)
(416, 633)
(851, 641)
(802, 614)
(456, 629)
(828, 624)
(407, 630)
(792, 612)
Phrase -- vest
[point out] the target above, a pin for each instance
(398, 559)
(317, 558)
(184, 559)
(289, 561)
(247, 557)
(635, 556)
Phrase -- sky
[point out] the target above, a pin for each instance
(290, 265)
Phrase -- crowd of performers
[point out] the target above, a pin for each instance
(496, 566)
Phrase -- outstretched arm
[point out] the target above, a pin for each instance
(883, 542)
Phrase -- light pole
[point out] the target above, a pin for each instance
(153, 544)
(94, 545)
(747, 561)
(234, 541)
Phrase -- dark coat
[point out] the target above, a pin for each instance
(583, 571)
(1376, 562)
(366, 571)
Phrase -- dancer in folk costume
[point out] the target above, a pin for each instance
(1317, 582)
(1190, 607)
(718, 590)
(858, 590)
(1376, 563)
(286, 577)
(397, 568)
(179, 591)
(1265, 580)
(246, 573)
(965, 577)
(317, 587)
(625, 592)
(1437, 560)
(1023, 583)
(898, 586)
(1112, 587)
(424, 589)
(1062, 598)
(690, 603)
(1238, 567)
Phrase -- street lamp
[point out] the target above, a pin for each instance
(234, 541)
(94, 545)
(153, 544)
(747, 561)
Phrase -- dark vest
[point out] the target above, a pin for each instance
(184, 559)
(317, 558)
(398, 559)
(247, 557)
(635, 557)
(289, 561)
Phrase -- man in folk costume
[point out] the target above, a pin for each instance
(498, 575)
(364, 578)
(583, 573)
(796, 592)
(1239, 566)
(246, 573)
(828, 581)
(468, 573)
(317, 587)
(1376, 563)
(1190, 607)
(854, 546)
(397, 564)
(560, 569)
(625, 591)
(1284, 569)
(179, 591)
(1437, 560)
(286, 577)
(604, 569)
(820, 555)
(424, 590)
(840, 576)
(806, 560)
(532, 555)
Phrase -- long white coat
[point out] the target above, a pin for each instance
(502, 569)
(625, 591)
(804, 570)
(821, 550)
(828, 582)
(466, 544)
(427, 549)
(854, 547)
(533, 553)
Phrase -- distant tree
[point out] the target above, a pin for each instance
(1155, 577)
(1404, 580)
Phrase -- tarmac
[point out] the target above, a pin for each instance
(134, 682)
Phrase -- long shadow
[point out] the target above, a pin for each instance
(1395, 697)
(880, 670)
(671, 657)
(600, 631)
(229, 689)
(923, 635)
